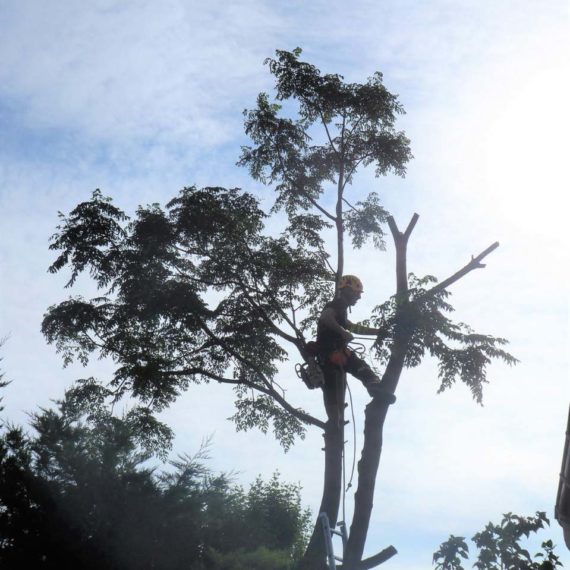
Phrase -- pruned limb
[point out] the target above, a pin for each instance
(376, 560)
(396, 233)
(411, 227)
(475, 263)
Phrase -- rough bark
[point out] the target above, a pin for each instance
(376, 410)
(314, 558)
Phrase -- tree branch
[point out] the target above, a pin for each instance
(411, 226)
(401, 243)
(375, 560)
(268, 388)
(349, 173)
(270, 322)
(301, 191)
(269, 391)
(328, 133)
(349, 204)
(475, 263)
(339, 221)
(284, 315)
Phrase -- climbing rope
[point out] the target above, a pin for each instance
(353, 440)
(345, 486)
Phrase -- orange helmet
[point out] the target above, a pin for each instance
(351, 281)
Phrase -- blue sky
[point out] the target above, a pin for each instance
(140, 98)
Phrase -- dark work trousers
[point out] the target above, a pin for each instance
(334, 389)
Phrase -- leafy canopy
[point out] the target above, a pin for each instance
(338, 128)
(160, 271)
(200, 291)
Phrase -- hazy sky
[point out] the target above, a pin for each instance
(140, 98)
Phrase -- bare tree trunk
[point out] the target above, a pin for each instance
(376, 410)
(375, 416)
(314, 558)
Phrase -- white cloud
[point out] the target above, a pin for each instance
(169, 72)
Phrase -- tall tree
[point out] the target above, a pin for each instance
(161, 272)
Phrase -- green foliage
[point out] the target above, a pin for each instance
(197, 291)
(357, 123)
(451, 554)
(260, 411)
(157, 274)
(499, 547)
(80, 493)
(259, 559)
(461, 353)
(367, 220)
(3, 383)
(90, 240)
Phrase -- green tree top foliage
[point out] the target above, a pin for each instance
(499, 547)
(356, 128)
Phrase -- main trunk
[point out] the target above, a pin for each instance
(334, 398)
(376, 410)
(375, 415)
(314, 558)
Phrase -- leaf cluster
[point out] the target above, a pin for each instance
(357, 122)
(421, 320)
(500, 548)
(261, 411)
(158, 273)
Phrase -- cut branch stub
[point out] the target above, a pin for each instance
(374, 561)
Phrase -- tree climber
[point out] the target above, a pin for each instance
(334, 332)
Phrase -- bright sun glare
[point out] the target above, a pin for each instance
(526, 154)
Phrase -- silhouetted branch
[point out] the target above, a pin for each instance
(475, 263)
